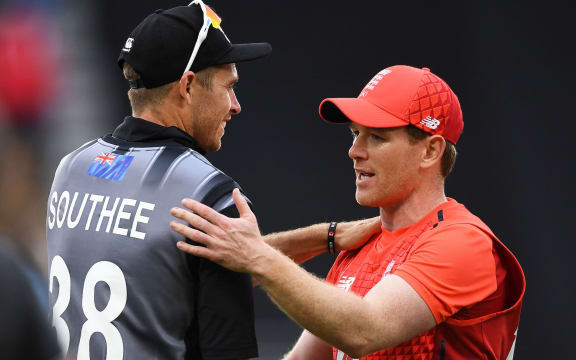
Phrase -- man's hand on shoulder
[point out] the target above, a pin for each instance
(351, 235)
(235, 244)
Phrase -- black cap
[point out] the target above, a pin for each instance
(159, 48)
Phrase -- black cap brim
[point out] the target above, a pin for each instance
(244, 52)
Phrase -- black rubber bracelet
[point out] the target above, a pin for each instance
(331, 234)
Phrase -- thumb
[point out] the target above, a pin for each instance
(241, 204)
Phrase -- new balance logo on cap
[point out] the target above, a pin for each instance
(429, 122)
(128, 46)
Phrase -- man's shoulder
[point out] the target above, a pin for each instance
(454, 240)
(204, 181)
(457, 217)
(458, 231)
(191, 161)
(190, 164)
(166, 163)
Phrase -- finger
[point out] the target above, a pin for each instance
(241, 204)
(194, 220)
(195, 250)
(204, 211)
(190, 233)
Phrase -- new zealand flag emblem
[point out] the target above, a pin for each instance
(110, 166)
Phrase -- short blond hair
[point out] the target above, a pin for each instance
(143, 98)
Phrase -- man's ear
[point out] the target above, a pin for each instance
(185, 86)
(434, 150)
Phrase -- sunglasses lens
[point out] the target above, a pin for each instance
(216, 20)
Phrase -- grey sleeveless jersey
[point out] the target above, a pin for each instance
(119, 287)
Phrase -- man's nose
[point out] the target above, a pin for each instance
(357, 150)
(235, 107)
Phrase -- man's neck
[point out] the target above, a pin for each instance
(413, 208)
(162, 117)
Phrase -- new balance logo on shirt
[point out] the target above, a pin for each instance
(346, 282)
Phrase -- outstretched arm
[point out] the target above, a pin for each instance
(308, 347)
(305, 243)
(390, 313)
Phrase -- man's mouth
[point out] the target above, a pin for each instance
(363, 174)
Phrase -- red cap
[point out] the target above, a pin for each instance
(398, 96)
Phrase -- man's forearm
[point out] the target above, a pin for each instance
(300, 244)
(339, 318)
(305, 243)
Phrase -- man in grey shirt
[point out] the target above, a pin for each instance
(120, 289)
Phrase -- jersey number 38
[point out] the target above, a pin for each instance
(97, 321)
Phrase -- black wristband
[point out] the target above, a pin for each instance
(331, 234)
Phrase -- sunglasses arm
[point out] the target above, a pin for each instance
(201, 35)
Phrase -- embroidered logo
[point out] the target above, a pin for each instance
(346, 282)
(375, 80)
(388, 268)
(128, 45)
(430, 122)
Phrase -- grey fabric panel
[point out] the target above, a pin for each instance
(92, 220)
(161, 165)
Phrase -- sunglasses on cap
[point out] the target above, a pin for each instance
(210, 19)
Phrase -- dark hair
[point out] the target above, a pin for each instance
(448, 157)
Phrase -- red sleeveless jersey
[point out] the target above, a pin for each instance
(470, 281)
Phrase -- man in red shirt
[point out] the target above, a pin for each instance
(433, 283)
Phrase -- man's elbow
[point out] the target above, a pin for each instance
(366, 344)
(355, 353)
(357, 347)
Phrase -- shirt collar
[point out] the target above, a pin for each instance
(134, 129)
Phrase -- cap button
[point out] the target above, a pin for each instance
(426, 69)
(158, 11)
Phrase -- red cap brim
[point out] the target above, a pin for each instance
(359, 111)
